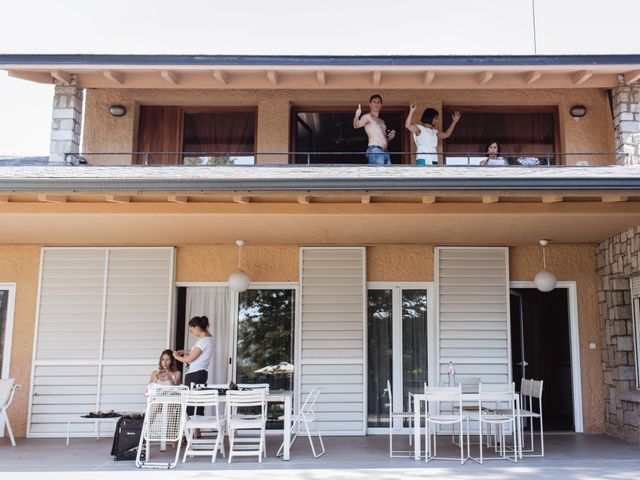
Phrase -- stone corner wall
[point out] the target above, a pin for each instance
(618, 259)
(626, 120)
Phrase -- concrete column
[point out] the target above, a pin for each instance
(66, 121)
(273, 130)
(626, 122)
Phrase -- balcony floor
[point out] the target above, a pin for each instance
(568, 457)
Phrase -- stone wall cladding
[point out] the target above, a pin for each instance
(618, 259)
(626, 120)
(66, 121)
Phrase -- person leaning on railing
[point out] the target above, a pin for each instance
(426, 135)
(493, 160)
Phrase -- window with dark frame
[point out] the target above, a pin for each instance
(219, 138)
(526, 135)
(327, 136)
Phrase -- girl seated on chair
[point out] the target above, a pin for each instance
(167, 373)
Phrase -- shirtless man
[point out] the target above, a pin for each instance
(376, 129)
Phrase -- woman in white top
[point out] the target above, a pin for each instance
(199, 356)
(493, 160)
(426, 135)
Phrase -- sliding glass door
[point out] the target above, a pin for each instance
(398, 337)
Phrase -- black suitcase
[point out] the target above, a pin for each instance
(127, 437)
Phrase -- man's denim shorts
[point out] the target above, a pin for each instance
(377, 155)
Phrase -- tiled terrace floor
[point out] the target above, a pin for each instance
(568, 457)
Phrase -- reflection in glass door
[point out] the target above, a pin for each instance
(397, 347)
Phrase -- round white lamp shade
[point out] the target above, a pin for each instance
(239, 281)
(545, 281)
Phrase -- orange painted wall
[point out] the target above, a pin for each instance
(103, 133)
(20, 265)
(213, 263)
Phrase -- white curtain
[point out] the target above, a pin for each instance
(214, 303)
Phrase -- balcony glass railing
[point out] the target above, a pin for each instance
(447, 159)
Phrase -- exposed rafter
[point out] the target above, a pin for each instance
(241, 199)
(114, 77)
(376, 77)
(170, 77)
(117, 198)
(61, 76)
(614, 198)
(552, 198)
(428, 77)
(532, 77)
(490, 199)
(321, 76)
(632, 77)
(39, 77)
(582, 76)
(304, 199)
(43, 197)
(272, 76)
(428, 199)
(177, 198)
(221, 77)
(485, 77)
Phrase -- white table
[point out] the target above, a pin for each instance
(419, 399)
(96, 420)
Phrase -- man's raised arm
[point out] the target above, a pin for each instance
(358, 120)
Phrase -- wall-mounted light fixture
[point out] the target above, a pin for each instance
(578, 111)
(239, 281)
(545, 280)
(117, 110)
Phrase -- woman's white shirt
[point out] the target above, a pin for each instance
(426, 144)
(202, 362)
(497, 162)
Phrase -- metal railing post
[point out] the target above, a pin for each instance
(146, 158)
(308, 158)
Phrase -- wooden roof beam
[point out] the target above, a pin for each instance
(241, 199)
(43, 197)
(485, 77)
(118, 199)
(632, 77)
(427, 78)
(552, 198)
(614, 198)
(532, 77)
(39, 77)
(170, 77)
(582, 76)
(304, 199)
(221, 77)
(62, 77)
(490, 199)
(321, 76)
(114, 77)
(376, 77)
(428, 199)
(272, 76)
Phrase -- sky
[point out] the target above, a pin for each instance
(292, 27)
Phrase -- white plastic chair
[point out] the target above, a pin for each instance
(490, 398)
(164, 422)
(8, 387)
(204, 446)
(305, 416)
(402, 415)
(241, 415)
(530, 408)
(444, 407)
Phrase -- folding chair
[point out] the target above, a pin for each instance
(305, 416)
(246, 410)
(164, 422)
(489, 398)
(204, 446)
(8, 387)
(402, 415)
(439, 412)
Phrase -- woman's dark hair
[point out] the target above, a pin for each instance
(429, 115)
(172, 363)
(486, 148)
(201, 322)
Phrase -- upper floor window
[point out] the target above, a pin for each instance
(526, 135)
(175, 135)
(326, 135)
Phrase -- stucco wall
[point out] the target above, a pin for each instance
(20, 265)
(103, 133)
(214, 263)
(573, 263)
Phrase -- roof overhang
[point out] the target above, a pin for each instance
(332, 72)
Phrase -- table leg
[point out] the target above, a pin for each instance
(287, 427)
(416, 428)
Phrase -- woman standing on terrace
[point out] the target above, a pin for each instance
(426, 135)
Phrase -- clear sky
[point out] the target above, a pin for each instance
(292, 27)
